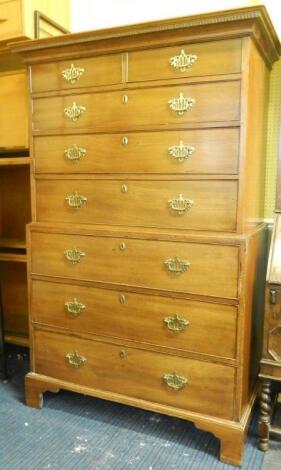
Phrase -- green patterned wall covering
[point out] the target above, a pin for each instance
(272, 139)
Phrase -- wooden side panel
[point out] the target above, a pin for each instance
(251, 315)
(254, 113)
(14, 110)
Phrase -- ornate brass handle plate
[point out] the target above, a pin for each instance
(176, 265)
(75, 153)
(183, 61)
(175, 381)
(180, 204)
(181, 152)
(76, 200)
(176, 323)
(75, 359)
(72, 74)
(181, 104)
(74, 111)
(74, 307)
(74, 255)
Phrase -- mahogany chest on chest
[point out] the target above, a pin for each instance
(147, 189)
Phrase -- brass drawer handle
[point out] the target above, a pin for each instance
(176, 265)
(125, 99)
(181, 152)
(74, 255)
(175, 381)
(183, 61)
(75, 359)
(181, 104)
(74, 307)
(122, 354)
(180, 204)
(176, 323)
(72, 74)
(76, 200)
(124, 188)
(122, 246)
(122, 298)
(125, 140)
(74, 111)
(75, 153)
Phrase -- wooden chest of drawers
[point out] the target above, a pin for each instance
(146, 238)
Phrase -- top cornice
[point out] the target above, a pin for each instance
(250, 21)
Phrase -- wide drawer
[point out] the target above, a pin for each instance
(170, 380)
(169, 322)
(185, 60)
(199, 205)
(199, 268)
(10, 19)
(159, 107)
(94, 71)
(202, 151)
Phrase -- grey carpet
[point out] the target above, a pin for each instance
(75, 432)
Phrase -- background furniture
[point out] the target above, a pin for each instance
(19, 19)
(147, 195)
(270, 366)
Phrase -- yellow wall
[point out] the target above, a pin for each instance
(272, 142)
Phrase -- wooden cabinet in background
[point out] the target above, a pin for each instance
(17, 21)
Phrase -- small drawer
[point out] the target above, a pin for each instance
(185, 60)
(201, 151)
(196, 205)
(11, 20)
(188, 384)
(77, 73)
(173, 106)
(198, 268)
(168, 322)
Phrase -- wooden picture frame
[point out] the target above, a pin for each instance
(40, 18)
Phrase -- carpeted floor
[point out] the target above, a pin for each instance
(75, 432)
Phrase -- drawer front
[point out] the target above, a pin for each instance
(10, 19)
(139, 109)
(172, 323)
(63, 75)
(185, 60)
(137, 373)
(174, 266)
(203, 151)
(201, 205)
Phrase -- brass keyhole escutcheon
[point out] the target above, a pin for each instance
(122, 246)
(125, 140)
(122, 354)
(122, 299)
(125, 99)
(124, 188)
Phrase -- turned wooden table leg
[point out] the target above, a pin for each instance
(265, 415)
